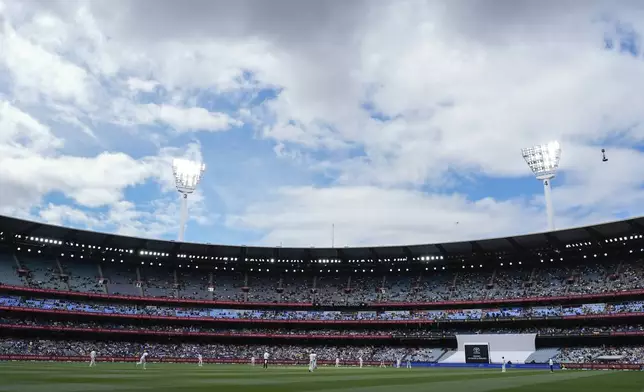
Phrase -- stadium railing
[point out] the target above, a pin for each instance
(603, 366)
(139, 332)
(246, 361)
(54, 358)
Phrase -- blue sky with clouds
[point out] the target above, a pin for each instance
(392, 120)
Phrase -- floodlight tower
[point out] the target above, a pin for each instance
(187, 175)
(544, 162)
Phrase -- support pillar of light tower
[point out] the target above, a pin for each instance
(543, 160)
(187, 175)
(547, 193)
(184, 216)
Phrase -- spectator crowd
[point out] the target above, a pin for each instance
(299, 353)
(314, 315)
(344, 332)
(214, 351)
(508, 281)
(603, 354)
(258, 285)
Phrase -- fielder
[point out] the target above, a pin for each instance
(266, 356)
(337, 362)
(312, 362)
(552, 365)
(92, 358)
(360, 362)
(408, 364)
(200, 358)
(252, 361)
(502, 364)
(142, 360)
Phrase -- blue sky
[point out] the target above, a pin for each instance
(391, 120)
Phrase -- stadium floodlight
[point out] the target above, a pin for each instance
(543, 160)
(187, 175)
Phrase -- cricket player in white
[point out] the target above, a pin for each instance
(266, 356)
(382, 364)
(502, 364)
(397, 363)
(312, 362)
(200, 358)
(337, 362)
(408, 364)
(142, 359)
(252, 361)
(92, 358)
(360, 362)
(552, 365)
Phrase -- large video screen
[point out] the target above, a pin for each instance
(477, 353)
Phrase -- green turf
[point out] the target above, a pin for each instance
(73, 377)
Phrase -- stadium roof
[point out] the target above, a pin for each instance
(547, 240)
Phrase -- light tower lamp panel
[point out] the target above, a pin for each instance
(543, 160)
(187, 174)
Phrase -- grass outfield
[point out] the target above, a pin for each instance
(75, 377)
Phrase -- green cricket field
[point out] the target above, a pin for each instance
(121, 377)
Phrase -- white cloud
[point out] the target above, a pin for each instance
(149, 220)
(304, 216)
(136, 84)
(91, 182)
(62, 215)
(19, 132)
(38, 74)
(184, 119)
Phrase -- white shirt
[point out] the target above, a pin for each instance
(337, 360)
(199, 356)
(92, 354)
(265, 355)
(312, 357)
(144, 355)
(550, 362)
(360, 359)
(503, 361)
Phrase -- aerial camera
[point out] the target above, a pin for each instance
(604, 159)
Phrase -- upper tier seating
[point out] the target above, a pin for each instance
(325, 288)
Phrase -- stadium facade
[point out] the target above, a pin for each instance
(573, 295)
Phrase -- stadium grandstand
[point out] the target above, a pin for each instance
(572, 296)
